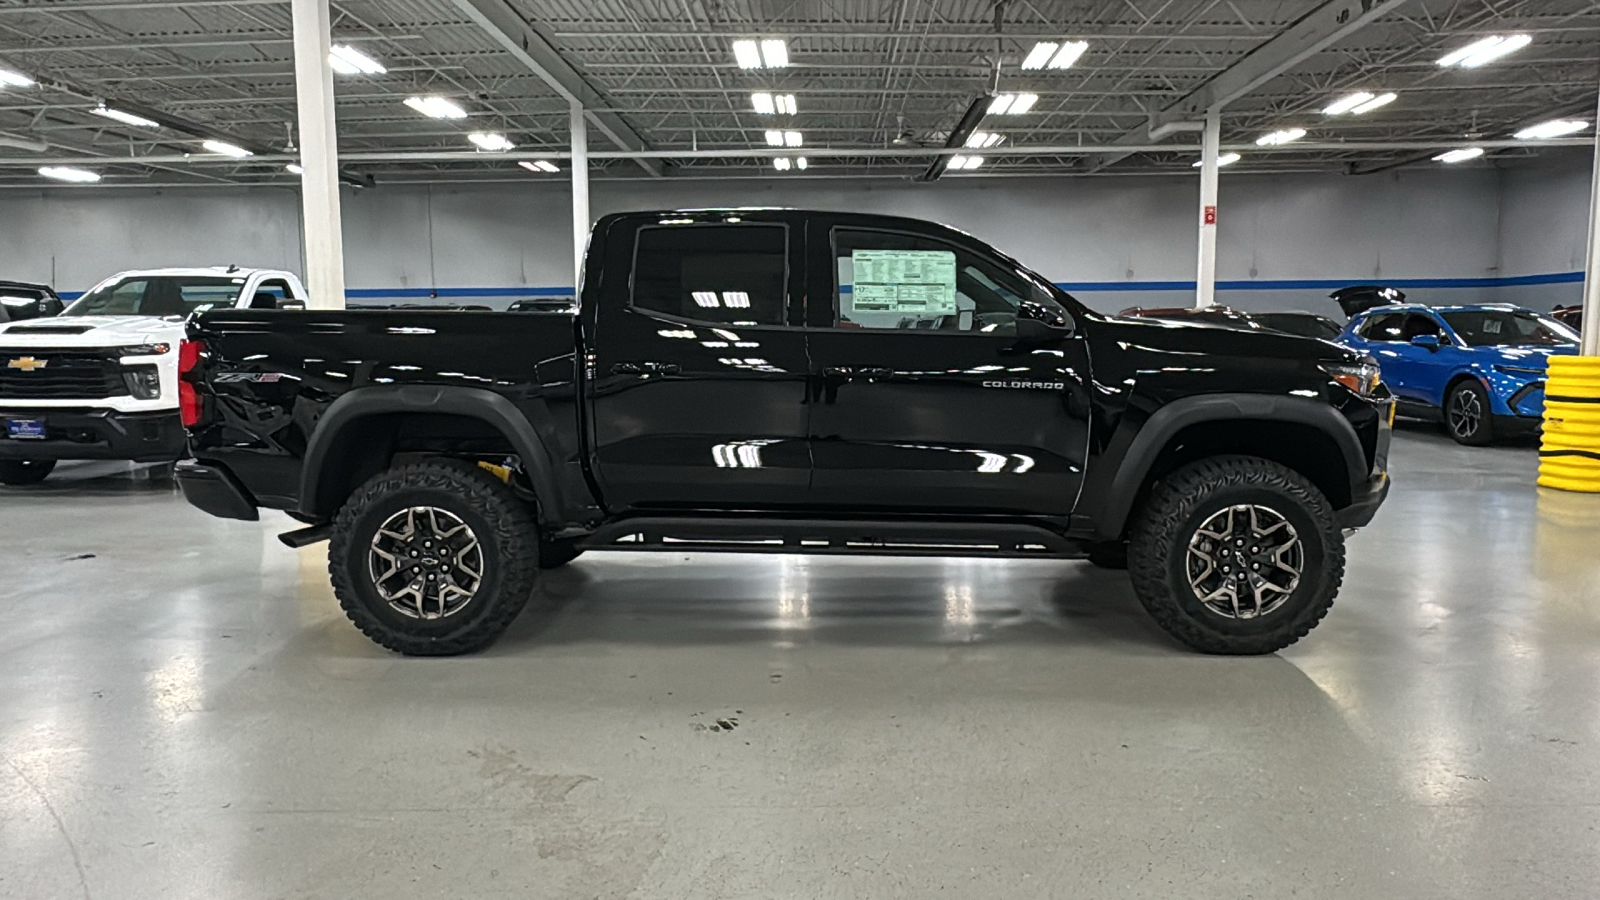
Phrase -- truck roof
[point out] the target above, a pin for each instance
(237, 271)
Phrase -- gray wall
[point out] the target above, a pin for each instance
(1418, 223)
(1544, 224)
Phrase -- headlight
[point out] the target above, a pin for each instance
(1360, 377)
(144, 350)
(144, 382)
(1519, 370)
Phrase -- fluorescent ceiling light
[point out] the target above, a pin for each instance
(1040, 54)
(980, 139)
(761, 102)
(347, 60)
(227, 149)
(1462, 155)
(1226, 159)
(1552, 129)
(1283, 136)
(538, 165)
(781, 163)
(774, 138)
(1012, 104)
(490, 141)
(126, 118)
(786, 104)
(10, 78)
(1377, 102)
(793, 138)
(436, 107)
(965, 163)
(1486, 50)
(800, 162)
(775, 53)
(1069, 53)
(67, 173)
(1346, 103)
(772, 53)
(295, 169)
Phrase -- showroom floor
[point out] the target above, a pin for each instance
(186, 713)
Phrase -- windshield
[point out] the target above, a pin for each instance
(1302, 325)
(158, 295)
(1508, 328)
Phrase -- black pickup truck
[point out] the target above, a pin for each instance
(785, 381)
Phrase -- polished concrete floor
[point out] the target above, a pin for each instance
(184, 712)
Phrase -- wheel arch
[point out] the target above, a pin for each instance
(358, 436)
(1308, 436)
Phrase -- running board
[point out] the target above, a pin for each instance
(849, 537)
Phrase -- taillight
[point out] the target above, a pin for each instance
(189, 404)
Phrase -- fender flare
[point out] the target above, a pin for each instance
(1172, 418)
(476, 403)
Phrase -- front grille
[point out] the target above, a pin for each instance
(65, 376)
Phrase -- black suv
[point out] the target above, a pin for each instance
(785, 381)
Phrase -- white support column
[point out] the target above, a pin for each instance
(319, 155)
(1591, 276)
(580, 192)
(1206, 274)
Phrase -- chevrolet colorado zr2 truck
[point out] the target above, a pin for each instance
(100, 381)
(784, 381)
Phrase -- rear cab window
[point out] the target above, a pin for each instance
(716, 274)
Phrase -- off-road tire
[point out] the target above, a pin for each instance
(1181, 502)
(1109, 555)
(506, 530)
(555, 554)
(23, 472)
(1467, 391)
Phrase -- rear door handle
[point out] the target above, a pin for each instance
(848, 373)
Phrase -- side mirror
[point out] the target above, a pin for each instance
(1430, 341)
(1041, 324)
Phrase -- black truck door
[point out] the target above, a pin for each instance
(698, 377)
(928, 399)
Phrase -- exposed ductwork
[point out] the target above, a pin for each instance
(21, 143)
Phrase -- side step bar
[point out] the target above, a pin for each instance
(858, 537)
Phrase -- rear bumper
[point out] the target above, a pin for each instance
(210, 487)
(79, 433)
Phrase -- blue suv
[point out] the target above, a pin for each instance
(1479, 369)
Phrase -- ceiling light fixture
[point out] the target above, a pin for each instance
(800, 162)
(1346, 103)
(786, 104)
(982, 139)
(761, 102)
(1377, 102)
(781, 163)
(774, 138)
(1552, 129)
(126, 118)
(295, 169)
(1040, 54)
(1280, 137)
(1486, 50)
(67, 173)
(491, 142)
(771, 53)
(1226, 159)
(226, 149)
(538, 165)
(793, 138)
(347, 60)
(1053, 55)
(436, 107)
(965, 163)
(1462, 155)
(10, 78)
(1012, 104)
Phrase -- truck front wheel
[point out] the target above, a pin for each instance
(22, 472)
(1236, 555)
(434, 559)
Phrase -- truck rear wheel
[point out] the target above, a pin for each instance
(1236, 555)
(23, 472)
(434, 559)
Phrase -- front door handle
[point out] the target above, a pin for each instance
(848, 373)
(644, 368)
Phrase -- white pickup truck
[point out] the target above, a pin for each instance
(100, 381)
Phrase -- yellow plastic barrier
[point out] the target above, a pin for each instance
(1569, 458)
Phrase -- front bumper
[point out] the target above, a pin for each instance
(79, 433)
(1364, 502)
(211, 488)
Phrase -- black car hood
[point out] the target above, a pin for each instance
(1221, 341)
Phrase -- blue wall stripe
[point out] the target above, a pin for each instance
(1291, 284)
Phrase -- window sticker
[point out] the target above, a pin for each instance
(904, 281)
(1491, 326)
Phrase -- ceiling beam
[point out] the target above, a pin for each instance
(1330, 22)
(530, 47)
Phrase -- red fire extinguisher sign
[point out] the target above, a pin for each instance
(1211, 215)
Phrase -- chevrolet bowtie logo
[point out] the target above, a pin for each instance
(28, 364)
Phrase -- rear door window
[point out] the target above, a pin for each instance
(719, 274)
